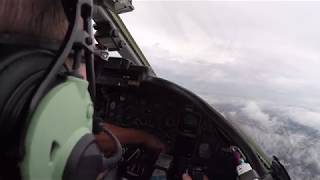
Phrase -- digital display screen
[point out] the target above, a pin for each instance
(190, 123)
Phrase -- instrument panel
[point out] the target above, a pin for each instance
(190, 137)
(164, 117)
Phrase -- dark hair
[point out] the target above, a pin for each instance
(38, 18)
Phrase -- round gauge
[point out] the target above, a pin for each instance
(170, 122)
(189, 123)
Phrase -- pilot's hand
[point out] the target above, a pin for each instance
(185, 176)
(128, 136)
(152, 142)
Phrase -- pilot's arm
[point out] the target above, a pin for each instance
(127, 136)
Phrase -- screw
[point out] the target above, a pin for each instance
(122, 44)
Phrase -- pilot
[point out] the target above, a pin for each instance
(45, 20)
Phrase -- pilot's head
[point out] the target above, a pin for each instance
(38, 19)
(41, 19)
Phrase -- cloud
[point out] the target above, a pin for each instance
(281, 133)
(306, 117)
(253, 111)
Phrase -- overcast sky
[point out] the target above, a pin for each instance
(259, 56)
(266, 51)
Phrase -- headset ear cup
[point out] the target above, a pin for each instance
(20, 75)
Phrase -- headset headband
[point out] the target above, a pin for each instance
(76, 39)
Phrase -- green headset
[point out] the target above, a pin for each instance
(46, 111)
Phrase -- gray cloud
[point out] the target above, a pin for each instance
(282, 134)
